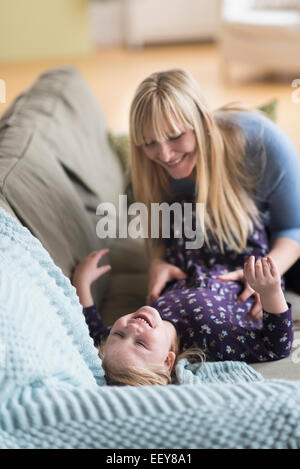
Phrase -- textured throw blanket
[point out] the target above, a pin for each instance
(52, 388)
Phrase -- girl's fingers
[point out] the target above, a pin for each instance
(103, 269)
(99, 253)
(258, 270)
(96, 256)
(272, 265)
(265, 267)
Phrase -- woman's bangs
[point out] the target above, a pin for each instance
(163, 120)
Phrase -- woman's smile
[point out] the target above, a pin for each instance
(176, 162)
(176, 154)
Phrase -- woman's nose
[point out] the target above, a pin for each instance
(165, 152)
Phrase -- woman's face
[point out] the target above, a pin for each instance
(177, 154)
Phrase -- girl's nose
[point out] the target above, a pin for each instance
(135, 326)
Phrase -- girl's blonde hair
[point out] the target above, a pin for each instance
(170, 101)
(120, 375)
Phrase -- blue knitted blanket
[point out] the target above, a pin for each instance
(52, 388)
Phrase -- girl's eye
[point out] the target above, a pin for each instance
(118, 333)
(149, 144)
(141, 344)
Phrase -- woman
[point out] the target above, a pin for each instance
(237, 163)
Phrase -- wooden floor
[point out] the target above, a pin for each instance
(114, 73)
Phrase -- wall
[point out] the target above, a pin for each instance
(35, 29)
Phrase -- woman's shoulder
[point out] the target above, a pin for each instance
(254, 123)
(260, 131)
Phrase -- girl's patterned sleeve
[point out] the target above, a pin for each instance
(273, 341)
(96, 327)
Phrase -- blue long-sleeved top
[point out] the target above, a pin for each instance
(278, 192)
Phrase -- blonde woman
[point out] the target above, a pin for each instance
(237, 163)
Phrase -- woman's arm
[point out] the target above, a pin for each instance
(285, 252)
(160, 273)
(274, 157)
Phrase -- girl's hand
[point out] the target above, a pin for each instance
(256, 311)
(160, 274)
(262, 275)
(88, 271)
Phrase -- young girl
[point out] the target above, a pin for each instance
(199, 311)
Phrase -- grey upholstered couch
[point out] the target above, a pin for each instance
(56, 166)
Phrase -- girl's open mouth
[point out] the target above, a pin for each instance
(143, 317)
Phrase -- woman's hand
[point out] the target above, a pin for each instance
(238, 276)
(160, 274)
(86, 273)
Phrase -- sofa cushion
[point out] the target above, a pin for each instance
(44, 199)
(61, 106)
(56, 166)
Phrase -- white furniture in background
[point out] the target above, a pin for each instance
(159, 21)
(107, 22)
(267, 39)
(140, 22)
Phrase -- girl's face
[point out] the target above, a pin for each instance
(140, 338)
(177, 154)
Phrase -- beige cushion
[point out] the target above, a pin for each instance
(56, 166)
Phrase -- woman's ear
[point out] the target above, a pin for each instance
(170, 360)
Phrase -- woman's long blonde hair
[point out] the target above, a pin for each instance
(171, 100)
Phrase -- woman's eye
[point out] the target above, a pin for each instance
(175, 138)
(149, 144)
(118, 333)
